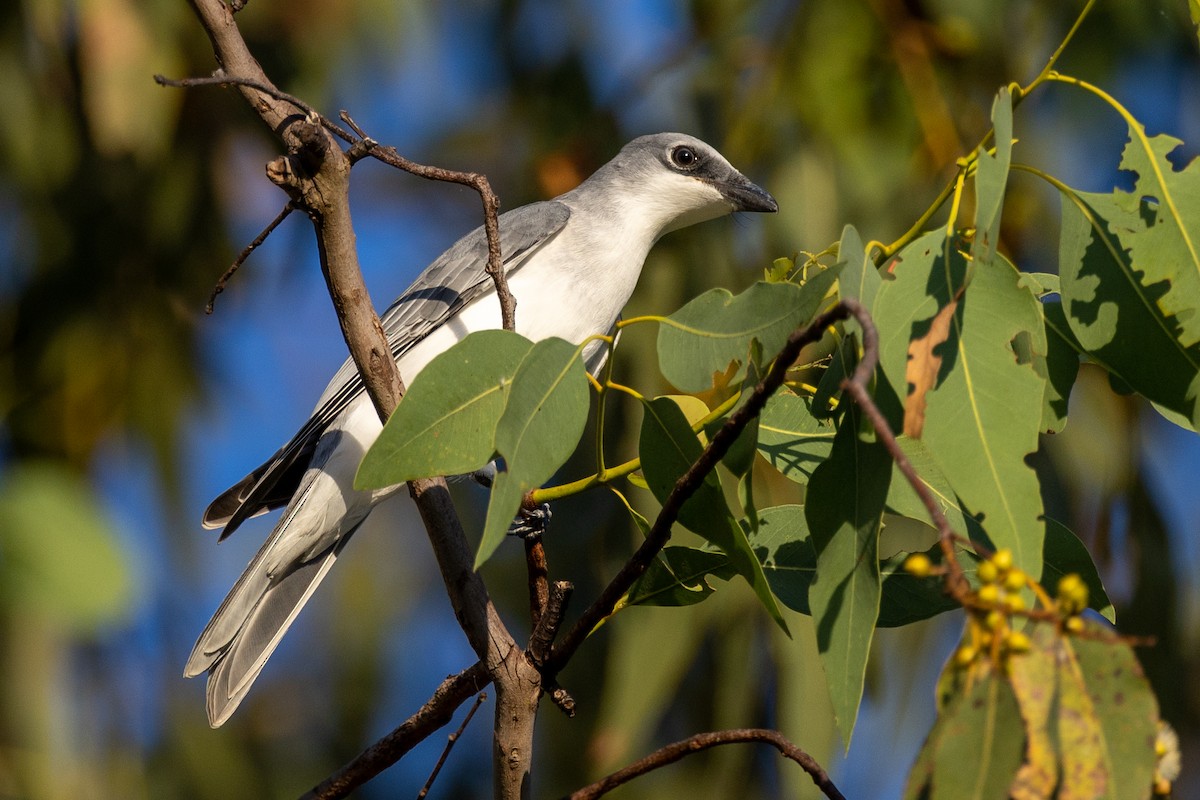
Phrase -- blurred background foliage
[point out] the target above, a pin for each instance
(124, 408)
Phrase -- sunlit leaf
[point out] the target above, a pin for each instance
(446, 422)
(991, 177)
(1062, 366)
(984, 408)
(859, 278)
(845, 507)
(544, 416)
(1125, 710)
(1034, 683)
(1119, 305)
(716, 328)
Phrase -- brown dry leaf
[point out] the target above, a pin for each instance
(924, 365)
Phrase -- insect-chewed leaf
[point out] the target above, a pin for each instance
(446, 422)
(668, 448)
(716, 328)
(1062, 366)
(984, 407)
(679, 577)
(1125, 272)
(544, 416)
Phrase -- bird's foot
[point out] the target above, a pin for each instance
(531, 522)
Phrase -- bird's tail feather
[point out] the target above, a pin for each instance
(251, 621)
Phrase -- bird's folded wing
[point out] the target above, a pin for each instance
(446, 286)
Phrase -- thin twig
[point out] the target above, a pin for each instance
(703, 741)
(477, 181)
(436, 712)
(542, 638)
(687, 485)
(450, 740)
(222, 79)
(242, 256)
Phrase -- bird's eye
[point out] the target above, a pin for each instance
(684, 156)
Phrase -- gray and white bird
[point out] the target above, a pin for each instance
(572, 263)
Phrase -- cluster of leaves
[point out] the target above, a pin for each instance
(977, 359)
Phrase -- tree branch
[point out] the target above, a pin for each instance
(315, 173)
(437, 712)
(703, 741)
(687, 485)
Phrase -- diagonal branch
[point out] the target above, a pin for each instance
(437, 712)
(687, 485)
(703, 741)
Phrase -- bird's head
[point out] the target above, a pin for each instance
(674, 180)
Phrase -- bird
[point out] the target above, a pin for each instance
(571, 263)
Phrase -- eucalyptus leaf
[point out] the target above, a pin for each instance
(844, 510)
(446, 421)
(715, 329)
(544, 415)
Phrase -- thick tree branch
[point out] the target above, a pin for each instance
(316, 176)
(703, 741)
(437, 712)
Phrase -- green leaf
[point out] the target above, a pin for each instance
(679, 577)
(859, 278)
(59, 557)
(789, 561)
(907, 599)
(716, 328)
(446, 421)
(739, 459)
(1159, 224)
(991, 177)
(1124, 710)
(983, 402)
(1062, 366)
(544, 416)
(668, 448)
(1119, 305)
(845, 507)
(903, 499)
(980, 744)
(791, 438)
(1063, 554)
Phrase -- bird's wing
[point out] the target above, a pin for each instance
(447, 285)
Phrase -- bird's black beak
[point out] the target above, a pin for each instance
(746, 196)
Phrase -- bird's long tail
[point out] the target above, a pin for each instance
(251, 621)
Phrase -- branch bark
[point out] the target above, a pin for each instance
(703, 741)
(437, 712)
(315, 173)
